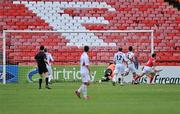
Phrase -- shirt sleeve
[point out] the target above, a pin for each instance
(50, 57)
(125, 57)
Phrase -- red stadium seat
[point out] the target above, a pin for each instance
(129, 15)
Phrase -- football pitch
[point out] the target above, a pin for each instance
(26, 98)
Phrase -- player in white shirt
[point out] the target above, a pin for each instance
(130, 64)
(49, 67)
(85, 73)
(119, 59)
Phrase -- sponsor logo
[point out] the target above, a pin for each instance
(31, 74)
(11, 73)
(158, 79)
(63, 74)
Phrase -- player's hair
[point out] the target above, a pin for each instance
(42, 47)
(130, 48)
(120, 49)
(45, 50)
(153, 55)
(110, 63)
(86, 48)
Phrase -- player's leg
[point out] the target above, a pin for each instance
(127, 70)
(45, 75)
(108, 73)
(40, 79)
(122, 74)
(86, 83)
(133, 70)
(139, 76)
(84, 90)
(50, 73)
(78, 91)
(151, 77)
(83, 87)
(146, 70)
(116, 75)
(152, 74)
(115, 78)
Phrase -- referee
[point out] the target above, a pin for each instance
(43, 71)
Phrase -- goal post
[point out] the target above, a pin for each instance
(66, 31)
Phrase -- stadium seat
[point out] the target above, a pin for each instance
(95, 15)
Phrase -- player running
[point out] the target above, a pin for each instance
(49, 67)
(130, 64)
(119, 59)
(43, 71)
(149, 68)
(85, 73)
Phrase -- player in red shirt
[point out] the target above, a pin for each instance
(149, 68)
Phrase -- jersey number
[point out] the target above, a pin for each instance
(119, 57)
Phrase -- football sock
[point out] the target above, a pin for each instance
(136, 78)
(84, 90)
(122, 79)
(151, 79)
(50, 77)
(40, 82)
(80, 88)
(117, 78)
(46, 81)
(114, 78)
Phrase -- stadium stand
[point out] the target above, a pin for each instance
(156, 15)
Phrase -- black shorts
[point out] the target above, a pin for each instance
(42, 68)
(108, 72)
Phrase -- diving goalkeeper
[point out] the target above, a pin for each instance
(109, 73)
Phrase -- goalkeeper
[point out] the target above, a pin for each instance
(109, 73)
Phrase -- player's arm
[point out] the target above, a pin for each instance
(88, 67)
(125, 59)
(51, 58)
(36, 57)
(154, 64)
(45, 59)
(86, 63)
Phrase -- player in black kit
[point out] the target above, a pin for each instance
(43, 71)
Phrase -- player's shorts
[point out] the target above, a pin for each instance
(85, 77)
(131, 68)
(119, 69)
(42, 68)
(108, 72)
(50, 72)
(147, 69)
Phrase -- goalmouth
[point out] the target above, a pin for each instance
(66, 31)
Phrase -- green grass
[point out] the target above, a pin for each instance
(25, 98)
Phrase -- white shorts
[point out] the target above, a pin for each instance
(85, 77)
(147, 69)
(119, 69)
(131, 68)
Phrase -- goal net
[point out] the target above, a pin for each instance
(20, 46)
